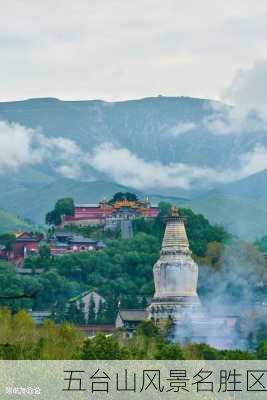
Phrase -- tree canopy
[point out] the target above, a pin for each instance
(123, 271)
(8, 240)
(261, 244)
(21, 339)
(123, 196)
(62, 207)
(231, 270)
(199, 230)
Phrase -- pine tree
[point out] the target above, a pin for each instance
(100, 312)
(91, 311)
(80, 318)
(111, 309)
(144, 302)
(71, 312)
(75, 313)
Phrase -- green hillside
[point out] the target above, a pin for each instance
(34, 204)
(10, 222)
(246, 218)
(149, 128)
(251, 187)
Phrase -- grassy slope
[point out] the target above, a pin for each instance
(34, 204)
(10, 222)
(243, 217)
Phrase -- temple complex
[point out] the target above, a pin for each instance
(175, 275)
(110, 214)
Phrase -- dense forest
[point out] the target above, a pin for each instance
(120, 272)
(232, 273)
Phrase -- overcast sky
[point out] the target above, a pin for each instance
(118, 49)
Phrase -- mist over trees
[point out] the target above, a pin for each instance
(21, 339)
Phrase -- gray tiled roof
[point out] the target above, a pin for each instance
(101, 244)
(81, 239)
(85, 205)
(63, 234)
(133, 315)
(60, 244)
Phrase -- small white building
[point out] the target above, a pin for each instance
(85, 299)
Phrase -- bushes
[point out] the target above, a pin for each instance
(102, 348)
(20, 338)
(262, 350)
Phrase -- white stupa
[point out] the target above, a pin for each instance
(175, 276)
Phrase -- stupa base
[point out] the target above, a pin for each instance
(179, 308)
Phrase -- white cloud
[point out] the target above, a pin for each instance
(65, 147)
(182, 127)
(69, 171)
(254, 161)
(248, 91)
(128, 169)
(233, 121)
(248, 96)
(66, 155)
(20, 146)
(16, 146)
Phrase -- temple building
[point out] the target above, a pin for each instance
(175, 276)
(130, 319)
(27, 243)
(110, 214)
(84, 300)
(67, 242)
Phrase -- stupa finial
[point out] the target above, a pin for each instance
(175, 212)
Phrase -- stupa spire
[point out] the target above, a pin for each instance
(175, 238)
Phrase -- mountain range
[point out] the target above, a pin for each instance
(171, 141)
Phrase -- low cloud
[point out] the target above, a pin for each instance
(182, 127)
(248, 91)
(247, 95)
(21, 146)
(127, 168)
(254, 161)
(17, 146)
(64, 154)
